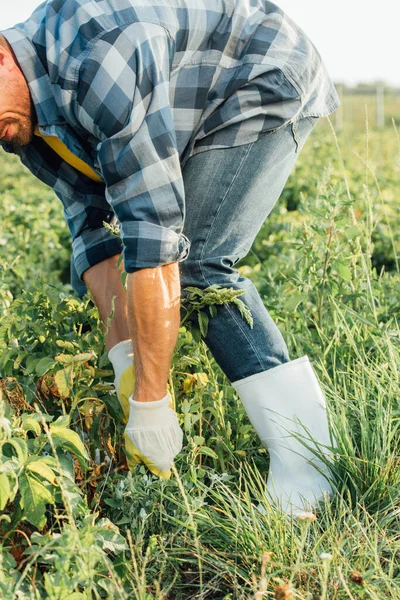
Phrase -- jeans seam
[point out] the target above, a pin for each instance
(239, 324)
(233, 316)
(295, 132)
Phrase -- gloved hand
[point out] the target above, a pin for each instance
(121, 358)
(152, 435)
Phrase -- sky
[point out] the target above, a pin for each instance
(358, 39)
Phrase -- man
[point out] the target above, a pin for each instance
(183, 119)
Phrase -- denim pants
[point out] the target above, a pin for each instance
(229, 194)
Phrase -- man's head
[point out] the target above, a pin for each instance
(17, 115)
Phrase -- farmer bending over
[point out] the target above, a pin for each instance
(182, 120)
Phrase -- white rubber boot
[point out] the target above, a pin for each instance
(278, 402)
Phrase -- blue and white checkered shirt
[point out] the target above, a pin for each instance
(136, 87)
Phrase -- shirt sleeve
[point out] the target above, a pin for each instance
(123, 100)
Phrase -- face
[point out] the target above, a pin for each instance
(17, 115)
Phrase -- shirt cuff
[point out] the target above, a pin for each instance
(92, 247)
(149, 245)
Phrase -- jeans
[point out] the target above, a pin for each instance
(229, 194)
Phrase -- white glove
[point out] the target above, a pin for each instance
(153, 436)
(121, 358)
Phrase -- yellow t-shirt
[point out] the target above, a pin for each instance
(62, 151)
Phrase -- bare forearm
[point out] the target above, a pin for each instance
(104, 283)
(153, 320)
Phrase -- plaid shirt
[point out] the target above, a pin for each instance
(136, 87)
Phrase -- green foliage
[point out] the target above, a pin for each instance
(33, 234)
(195, 300)
(30, 478)
(75, 524)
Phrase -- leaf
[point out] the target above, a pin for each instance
(198, 440)
(208, 452)
(20, 448)
(64, 381)
(196, 334)
(65, 344)
(244, 310)
(123, 521)
(31, 363)
(44, 365)
(343, 270)
(71, 496)
(113, 502)
(34, 497)
(241, 453)
(213, 310)
(30, 424)
(8, 561)
(67, 465)
(103, 360)
(245, 429)
(352, 232)
(42, 469)
(193, 290)
(62, 421)
(109, 536)
(74, 359)
(69, 440)
(201, 378)
(4, 490)
(203, 323)
(294, 300)
(112, 228)
(111, 541)
(64, 358)
(185, 407)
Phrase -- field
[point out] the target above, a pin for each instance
(326, 263)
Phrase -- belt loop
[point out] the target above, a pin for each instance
(295, 135)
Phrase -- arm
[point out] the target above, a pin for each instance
(153, 318)
(140, 165)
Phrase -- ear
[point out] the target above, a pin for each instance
(7, 62)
